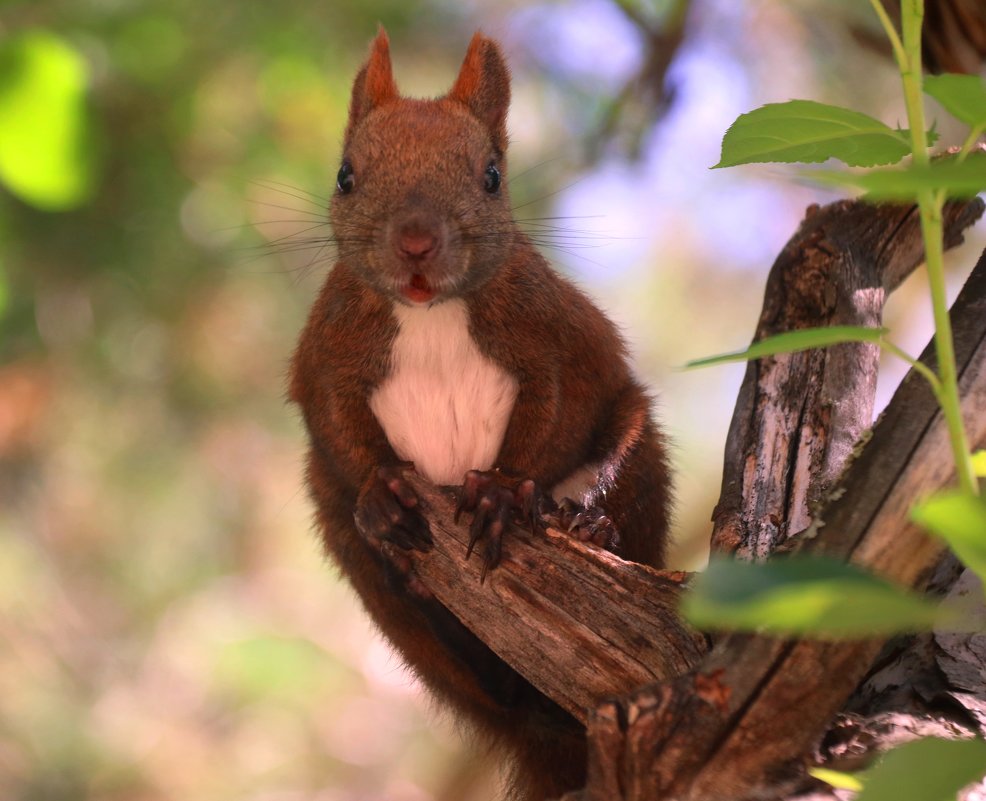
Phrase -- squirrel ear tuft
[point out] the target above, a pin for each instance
(374, 85)
(484, 86)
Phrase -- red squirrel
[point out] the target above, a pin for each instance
(442, 338)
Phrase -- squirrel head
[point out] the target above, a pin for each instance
(421, 211)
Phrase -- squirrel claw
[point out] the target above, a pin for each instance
(534, 505)
(493, 514)
(475, 484)
(387, 512)
(584, 523)
(497, 500)
(401, 568)
(388, 517)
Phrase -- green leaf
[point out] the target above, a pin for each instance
(794, 341)
(45, 139)
(818, 597)
(979, 463)
(925, 770)
(962, 96)
(806, 131)
(837, 779)
(960, 519)
(965, 179)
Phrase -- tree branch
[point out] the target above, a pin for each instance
(578, 622)
(798, 416)
(728, 731)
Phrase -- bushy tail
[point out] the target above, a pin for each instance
(549, 764)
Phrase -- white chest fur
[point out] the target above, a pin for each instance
(445, 406)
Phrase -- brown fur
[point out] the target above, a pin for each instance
(420, 163)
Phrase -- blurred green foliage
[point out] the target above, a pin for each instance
(46, 149)
(121, 111)
(167, 628)
(805, 596)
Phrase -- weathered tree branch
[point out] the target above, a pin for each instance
(727, 731)
(799, 415)
(925, 685)
(579, 623)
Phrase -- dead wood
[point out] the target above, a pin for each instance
(742, 725)
(798, 416)
(578, 622)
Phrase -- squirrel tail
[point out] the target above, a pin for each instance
(548, 766)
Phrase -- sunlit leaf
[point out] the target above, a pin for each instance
(979, 463)
(964, 179)
(960, 519)
(818, 597)
(806, 131)
(925, 770)
(962, 96)
(45, 140)
(837, 779)
(794, 341)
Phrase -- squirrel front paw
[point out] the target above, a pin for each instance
(388, 518)
(584, 523)
(497, 500)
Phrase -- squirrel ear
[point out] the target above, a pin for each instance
(374, 85)
(484, 86)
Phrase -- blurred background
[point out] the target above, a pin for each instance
(168, 627)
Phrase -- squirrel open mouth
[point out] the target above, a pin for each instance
(418, 290)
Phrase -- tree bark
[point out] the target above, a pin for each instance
(742, 725)
(799, 415)
(578, 622)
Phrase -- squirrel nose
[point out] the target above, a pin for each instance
(416, 244)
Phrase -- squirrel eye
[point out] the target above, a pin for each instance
(345, 181)
(491, 179)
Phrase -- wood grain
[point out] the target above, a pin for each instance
(578, 622)
(798, 416)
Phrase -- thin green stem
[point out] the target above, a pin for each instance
(891, 31)
(912, 15)
(919, 366)
(931, 227)
(930, 205)
(968, 144)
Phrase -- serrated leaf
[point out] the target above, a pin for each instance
(810, 132)
(794, 341)
(837, 779)
(796, 596)
(960, 519)
(962, 96)
(45, 148)
(925, 770)
(979, 463)
(957, 179)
